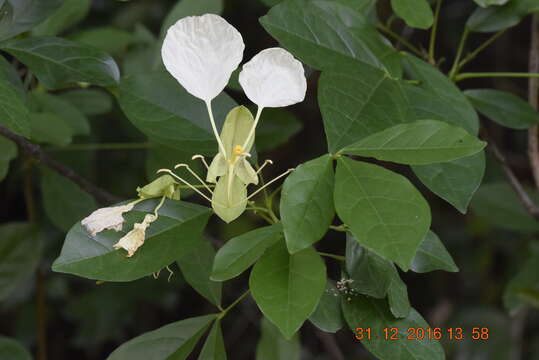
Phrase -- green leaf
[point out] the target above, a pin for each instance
(432, 255)
(214, 347)
(287, 288)
(13, 350)
(277, 127)
(455, 181)
(20, 251)
(504, 108)
(369, 273)
(399, 304)
(498, 205)
(58, 62)
(8, 152)
(172, 341)
(109, 39)
(487, 3)
(95, 258)
(196, 269)
(272, 345)
(359, 102)
(306, 205)
(496, 18)
(19, 16)
(69, 113)
(271, 3)
(384, 211)
(13, 110)
(69, 14)
(159, 107)
(48, 128)
(89, 101)
(328, 314)
(416, 13)
(240, 252)
(64, 201)
(418, 143)
(437, 97)
(365, 312)
(324, 34)
(526, 278)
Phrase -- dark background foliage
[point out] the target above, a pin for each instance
(87, 320)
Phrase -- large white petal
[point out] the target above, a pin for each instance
(201, 52)
(273, 78)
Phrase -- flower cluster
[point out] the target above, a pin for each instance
(201, 52)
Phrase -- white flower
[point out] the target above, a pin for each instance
(201, 52)
(106, 218)
(135, 238)
(273, 78)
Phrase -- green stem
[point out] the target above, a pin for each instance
(102, 146)
(400, 39)
(433, 32)
(41, 301)
(464, 76)
(455, 68)
(333, 256)
(258, 208)
(482, 47)
(342, 227)
(194, 186)
(236, 302)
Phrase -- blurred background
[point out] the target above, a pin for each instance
(87, 320)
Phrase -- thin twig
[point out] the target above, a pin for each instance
(37, 153)
(518, 324)
(41, 316)
(523, 196)
(434, 32)
(533, 98)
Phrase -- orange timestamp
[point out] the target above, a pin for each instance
(418, 333)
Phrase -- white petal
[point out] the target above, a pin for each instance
(201, 52)
(135, 238)
(106, 218)
(273, 78)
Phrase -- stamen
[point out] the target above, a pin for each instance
(238, 150)
(203, 159)
(270, 182)
(168, 171)
(267, 162)
(195, 175)
(170, 273)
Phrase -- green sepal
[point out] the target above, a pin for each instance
(245, 172)
(229, 205)
(162, 186)
(217, 168)
(238, 124)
